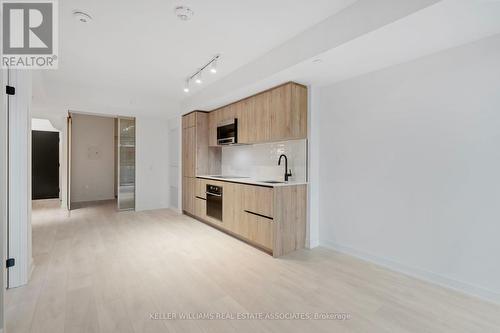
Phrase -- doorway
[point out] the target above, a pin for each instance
(101, 161)
(45, 165)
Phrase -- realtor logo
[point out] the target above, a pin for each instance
(29, 34)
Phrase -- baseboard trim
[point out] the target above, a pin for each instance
(424, 275)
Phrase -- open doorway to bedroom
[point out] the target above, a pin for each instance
(101, 161)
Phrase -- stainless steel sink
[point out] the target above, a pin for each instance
(271, 181)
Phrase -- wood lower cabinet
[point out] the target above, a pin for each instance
(200, 207)
(188, 190)
(259, 229)
(273, 219)
(258, 199)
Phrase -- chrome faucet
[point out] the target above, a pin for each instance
(288, 173)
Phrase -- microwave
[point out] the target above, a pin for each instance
(227, 132)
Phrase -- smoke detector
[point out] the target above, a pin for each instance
(82, 16)
(184, 13)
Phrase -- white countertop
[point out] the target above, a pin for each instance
(251, 181)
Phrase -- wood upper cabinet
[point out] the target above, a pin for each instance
(288, 112)
(273, 115)
(213, 120)
(260, 118)
(241, 111)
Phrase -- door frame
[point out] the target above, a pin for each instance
(69, 152)
(69, 123)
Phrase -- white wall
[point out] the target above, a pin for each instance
(92, 153)
(260, 161)
(409, 167)
(44, 125)
(152, 161)
(174, 152)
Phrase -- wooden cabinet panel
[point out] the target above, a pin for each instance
(299, 111)
(188, 194)
(274, 115)
(288, 112)
(229, 205)
(212, 128)
(202, 155)
(201, 188)
(260, 230)
(227, 113)
(260, 118)
(200, 207)
(243, 112)
(189, 152)
(189, 120)
(290, 218)
(279, 113)
(258, 199)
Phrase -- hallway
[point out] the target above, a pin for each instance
(97, 270)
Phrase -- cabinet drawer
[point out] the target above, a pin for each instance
(258, 199)
(200, 208)
(259, 229)
(201, 188)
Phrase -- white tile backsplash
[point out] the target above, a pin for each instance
(260, 161)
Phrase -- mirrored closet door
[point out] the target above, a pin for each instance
(126, 163)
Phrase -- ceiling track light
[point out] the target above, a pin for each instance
(211, 65)
(198, 78)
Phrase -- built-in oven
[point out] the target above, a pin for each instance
(214, 201)
(227, 132)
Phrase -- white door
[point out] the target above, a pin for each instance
(19, 178)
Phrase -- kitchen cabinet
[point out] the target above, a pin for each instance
(189, 120)
(188, 198)
(201, 188)
(197, 157)
(276, 114)
(273, 219)
(200, 207)
(258, 200)
(188, 152)
(213, 120)
(243, 112)
(259, 229)
(259, 119)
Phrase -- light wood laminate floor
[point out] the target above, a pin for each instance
(97, 270)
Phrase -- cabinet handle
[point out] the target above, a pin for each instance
(197, 197)
(264, 216)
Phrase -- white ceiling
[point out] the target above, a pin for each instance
(136, 54)
(440, 26)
